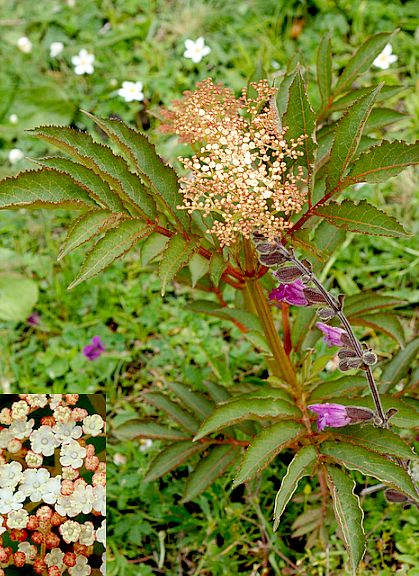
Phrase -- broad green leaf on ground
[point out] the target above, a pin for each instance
(247, 319)
(381, 117)
(265, 446)
(87, 179)
(376, 439)
(362, 60)
(196, 402)
(364, 302)
(399, 365)
(324, 69)
(344, 385)
(18, 296)
(371, 464)
(350, 97)
(348, 133)
(301, 465)
(43, 189)
(173, 410)
(137, 428)
(384, 161)
(362, 217)
(216, 268)
(172, 457)
(87, 226)
(248, 408)
(100, 158)
(208, 469)
(348, 513)
(157, 175)
(198, 267)
(176, 255)
(384, 322)
(113, 245)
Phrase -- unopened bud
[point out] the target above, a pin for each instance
(345, 353)
(325, 313)
(357, 414)
(265, 248)
(272, 259)
(314, 296)
(369, 358)
(288, 274)
(350, 363)
(394, 496)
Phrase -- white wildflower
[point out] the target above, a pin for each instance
(21, 428)
(17, 519)
(66, 431)
(385, 58)
(93, 424)
(24, 45)
(81, 568)
(70, 531)
(131, 91)
(55, 558)
(195, 51)
(10, 474)
(72, 454)
(10, 501)
(43, 441)
(83, 62)
(55, 49)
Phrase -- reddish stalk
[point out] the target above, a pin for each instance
(286, 327)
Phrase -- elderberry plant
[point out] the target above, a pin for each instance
(260, 185)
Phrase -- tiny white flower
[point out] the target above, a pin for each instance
(13, 118)
(99, 499)
(145, 444)
(5, 437)
(103, 565)
(55, 49)
(87, 534)
(10, 474)
(55, 558)
(33, 483)
(70, 531)
(20, 409)
(83, 62)
(43, 441)
(14, 446)
(37, 400)
(17, 519)
(101, 533)
(51, 490)
(385, 58)
(119, 459)
(21, 428)
(81, 568)
(195, 51)
(66, 431)
(33, 460)
(72, 454)
(55, 400)
(10, 501)
(28, 549)
(131, 91)
(93, 424)
(24, 45)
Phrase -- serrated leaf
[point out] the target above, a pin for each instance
(91, 182)
(265, 446)
(160, 177)
(86, 227)
(43, 189)
(381, 117)
(18, 296)
(176, 255)
(384, 322)
(348, 133)
(399, 365)
(208, 469)
(301, 465)
(217, 266)
(246, 408)
(386, 92)
(311, 515)
(113, 245)
(100, 158)
(137, 428)
(384, 161)
(348, 513)
(300, 119)
(361, 217)
(198, 267)
(268, 391)
(170, 458)
(218, 393)
(324, 69)
(152, 247)
(172, 409)
(344, 385)
(196, 402)
(362, 60)
(282, 95)
(365, 302)
(371, 464)
(377, 439)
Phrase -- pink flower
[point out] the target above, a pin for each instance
(332, 335)
(95, 349)
(337, 415)
(292, 292)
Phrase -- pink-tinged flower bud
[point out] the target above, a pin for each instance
(5, 553)
(78, 414)
(37, 538)
(99, 479)
(39, 565)
(18, 535)
(337, 415)
(332, 335)
(82, 549)
(67, 487)
(91, 463)
(2, 572)
(19, 559)
(44, 513)
(33, 523)
(14, 446)
(72, 398)
(48, 421)
(57, 519)
(70, 559)
(52, 540)
(54, 571)
(90, 450)
(292, 293)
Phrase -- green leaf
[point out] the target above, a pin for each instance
(216, 268)
(100, 158)
(197, 403)
(249, 320)
(137, 428)
(113, 245)
(383, 162)
(18, 295)
(376, 439)
(172, 409)
(345, 101)
(152, 247)
(246, 408)
(91, 182)
(381, 117)
(362, 60)
(371, 464)
(348, 133)
(300, 119)
(282, 95)
(362, 217)
(43, 189)
(343, 386)
(176, 255)
(384, 322)
(208, 470)
(85, 227)
(367, 301)
(161, 178)
(348, 513)
(265, 446)
(301, 465)
(198, 267)
(399, 365)
(170, 458)
(324, 69)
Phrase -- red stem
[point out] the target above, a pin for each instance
(286, 328)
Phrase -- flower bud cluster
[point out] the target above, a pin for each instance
(50, 475)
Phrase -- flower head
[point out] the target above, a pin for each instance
(196, 50)
(93, 424)
(72, 454)
(10, 500)
(131, 91)
(83, 62)
(385, 58)
(24, 45)
(292, 292)
(43, 441)
(55, 49)
(332, 334)
(337, 415)
(95, 349)
(10, 474)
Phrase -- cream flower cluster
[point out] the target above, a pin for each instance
(47, 460)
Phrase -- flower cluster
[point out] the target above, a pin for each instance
(243, 174)
(49, 475)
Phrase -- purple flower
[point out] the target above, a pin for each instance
(292, 292)
(332, 335)
(33, 319)
(94, 350)
(330, 415)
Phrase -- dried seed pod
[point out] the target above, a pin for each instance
(350, 363)
(358, 414)
(325, 313)
(287, 274)
(369, 358)
(394, 496)
(346, 341)
(345, 353)
(266, 248)
(314, 296)
(272, 259)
